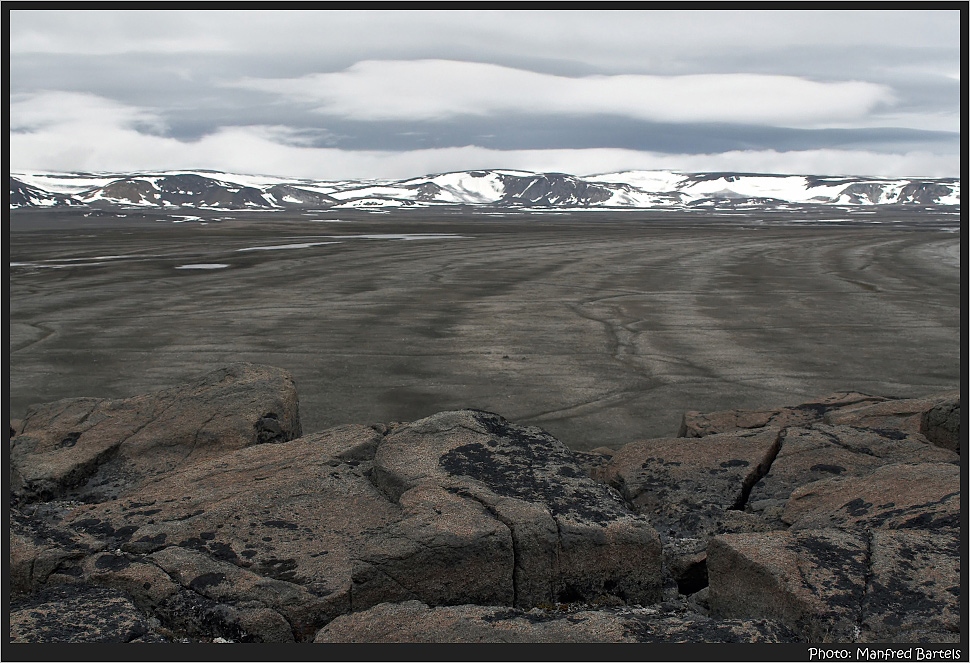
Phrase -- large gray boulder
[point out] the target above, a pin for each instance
(941, 424)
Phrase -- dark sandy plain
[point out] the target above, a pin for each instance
(600, 327)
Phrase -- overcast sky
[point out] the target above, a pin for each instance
(350, 94)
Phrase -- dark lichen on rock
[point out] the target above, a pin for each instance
(203, 512)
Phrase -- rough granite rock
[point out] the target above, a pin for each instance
(897, 496)
(685, 486)
(828, 452)
(288, 513)
(845, 407)
(269, 542)
(444, 549)
(415, 622)
(189, 515)
(913, 592)
(140, 578)
(691, 489)
(572, 539)
(78, 613)
(837, 585)
(904, 414)
(95, 449)
(697, 424)
(40, 552)
(941, 424)
(812, 580)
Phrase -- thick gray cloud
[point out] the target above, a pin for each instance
(382, 93)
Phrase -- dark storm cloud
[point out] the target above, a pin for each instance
(553, 132)
(656, 83)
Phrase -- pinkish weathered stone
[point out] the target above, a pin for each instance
(837, 585)
(97, 449)
(686, 486)
(904, 414)
(572, 538)
(826, 452)
(913, 591)
(813, 581)
(697, 424)
(897, 496)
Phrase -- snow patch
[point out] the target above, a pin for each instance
(204, 265)
(276, 247)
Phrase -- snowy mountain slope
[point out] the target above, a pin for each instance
(195, 190)
(499, 188)
(26, 195)
(696, 187)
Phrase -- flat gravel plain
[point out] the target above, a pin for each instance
(600, 327)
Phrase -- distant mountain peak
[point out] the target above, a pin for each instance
(636, 189)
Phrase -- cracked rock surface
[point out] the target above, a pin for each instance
(202, 512)
(571, 538)
(857, 518)
(97, 449)
(842, 585)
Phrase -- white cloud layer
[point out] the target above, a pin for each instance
(436, 89)
(73, 131)
(617, 38)
(79, 111)
(273, 88)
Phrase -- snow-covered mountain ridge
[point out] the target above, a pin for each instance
(636, 189)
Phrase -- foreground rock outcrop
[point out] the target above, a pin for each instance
(413, 621)
(94, 449)
(202, 512)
